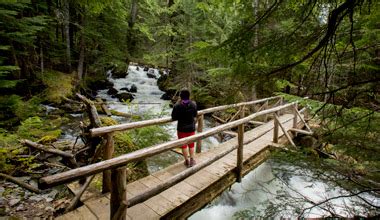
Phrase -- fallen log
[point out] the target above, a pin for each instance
(122, 114)
(218, 119)
(20, 183)
(93, 113)
(41, 147)
(104, 107)
(47, 149)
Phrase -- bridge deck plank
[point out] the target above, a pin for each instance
(141, 212)
(82, 213)
(161, 204)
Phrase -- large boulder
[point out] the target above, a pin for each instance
(112, 91)
(151, 74)
(100, 84)
(169, 94)
(146, 68)
(119, 74)
(124, 96)
(133, 88)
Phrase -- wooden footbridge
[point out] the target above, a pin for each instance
(177, 191)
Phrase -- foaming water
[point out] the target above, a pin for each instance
(147, 98)
(262, 194)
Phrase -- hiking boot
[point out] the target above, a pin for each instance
(192, 162)
(187, 163)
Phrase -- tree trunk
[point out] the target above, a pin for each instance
(131, 41)
(66, 17)
(82, 51)
(42, 59)
(132, 19)
(255, 6)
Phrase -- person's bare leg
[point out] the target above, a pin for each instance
(191, 151)
(192, 160)
(185, 154)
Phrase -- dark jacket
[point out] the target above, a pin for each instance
(185, 114)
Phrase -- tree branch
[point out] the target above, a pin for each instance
(338, 197)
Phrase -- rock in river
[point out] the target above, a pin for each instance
(133, 88)
(112, 91)
(124, 96)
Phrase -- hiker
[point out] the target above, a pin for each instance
(185, 112)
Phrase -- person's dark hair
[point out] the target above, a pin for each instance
(184, 94)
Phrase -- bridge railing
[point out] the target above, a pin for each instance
(117, 166)
(108, 131)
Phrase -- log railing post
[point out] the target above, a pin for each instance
(107, 154)
(264, 108)
(118, 194)
(275, 129)
(280, 104)
(239, 163)
(295, 115)
(199, 130)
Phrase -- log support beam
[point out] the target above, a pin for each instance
(199, 130)
(118, 193)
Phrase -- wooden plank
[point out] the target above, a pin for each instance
(136, 188)
(150, 181)
(141, 212)
(175, 196)
(159, 204)
(201, 179)
(81, 213)
(219, 168)
(100, 207)
(186, 188)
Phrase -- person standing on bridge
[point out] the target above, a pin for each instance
(185, 112)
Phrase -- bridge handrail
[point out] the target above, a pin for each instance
(75, 174)
(122, 127)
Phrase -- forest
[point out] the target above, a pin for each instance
(56, 55)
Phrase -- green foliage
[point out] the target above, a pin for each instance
(123, 143)
(7, 139)
(5, 166)
(16, 109)
(149, 136)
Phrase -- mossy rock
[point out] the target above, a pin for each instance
(59, 85)
(48, 139)
(108, 121)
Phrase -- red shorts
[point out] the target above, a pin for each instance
(186, 134)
